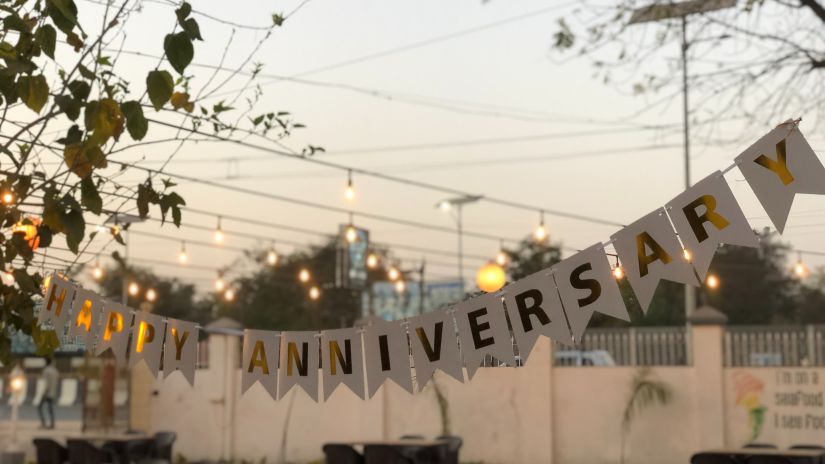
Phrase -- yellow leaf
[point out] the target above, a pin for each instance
(180, 100)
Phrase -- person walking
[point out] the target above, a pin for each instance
(51, 377)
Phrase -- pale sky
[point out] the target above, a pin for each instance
(506, 75)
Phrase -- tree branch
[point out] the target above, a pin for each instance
(817, 9)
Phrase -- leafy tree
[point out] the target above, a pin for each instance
(58, 74)
(778, 49)
(530, 257)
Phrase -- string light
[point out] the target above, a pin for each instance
(229, 295)
(151, 295)
(349, 193)
(8, 197)
(393, 273)
(712, 281)
(218, 236)
(687, 255)
(351, 234)
(134, 288)
(800, 269)
(372, 261)
(444, 205)
(502, 258)
(618, 272)
(220, 284)
(314, 293)
(540, 232)
(400, 286)
(304, 275)
(272, 257)
(97, 272)
(183, 257)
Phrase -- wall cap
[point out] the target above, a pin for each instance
(707, 315)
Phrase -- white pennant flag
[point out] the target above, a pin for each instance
(299, 363)
(147, 341)
(259, 361)
(586, 285)
(87, 309)
(180, 350)
(707, 215)
(434, 345)
(114, 332)
(777, 167)
(388, 356)
(342, 360)
(650, 251)
(482, 330)
(57, 303)
(535, 309)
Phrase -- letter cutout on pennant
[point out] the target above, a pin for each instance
(87, 308)
(707, 215)
(586, 285)
(180, 351)
(535, 309)
(57, 303)
(777, 167)
(434, 345)
(650, 251)
(299, 363)
(387, 355)
(259, 361)
(482, 330)
(114, 332)
(147, 341)
(342, 360)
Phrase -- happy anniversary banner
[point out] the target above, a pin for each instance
(557, 302)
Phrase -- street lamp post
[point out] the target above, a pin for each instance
(457, 204)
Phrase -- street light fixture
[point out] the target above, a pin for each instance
(457, 204)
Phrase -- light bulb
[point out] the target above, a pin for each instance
(618, 272)
(314, 293)
(502, 258)
(540, 233)
(8, 197)
(800, 269)
(272, 258)
(229, 295)
(349, 193)
(400, 286)
(134, 289)
(304, 275)
(183, 256)
(712, 281)
(444, 206)
(687, 254)
(393, 273)
(372, 261)
(17, 383)
(151, 295)
(220, 284)
(218, 235)
(351, 234)
(97, 272)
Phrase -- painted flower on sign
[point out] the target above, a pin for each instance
(749, 391)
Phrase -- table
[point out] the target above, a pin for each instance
(797, 456)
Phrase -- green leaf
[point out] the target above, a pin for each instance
(8, 88)
(277, 19)
(73, 136)
(160, 85)
(63, 13)
(80, 89)
(46, 37)
(24, 281)
(45, 234)
(192, 29)
(179, 50)
(34, 91)
(89, 197)
(85, 72)
(74, 227)
(145, 195)
(68, 105)
(171, 201)
(183, 12)
(136, 123)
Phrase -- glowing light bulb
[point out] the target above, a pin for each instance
(491, 277)
(393, 273)
(540, 234)
(314, 293)
(218, 235)
(229, 295)
(183, 256)
(97, 272)
(687, 255)
(800, 270)
(17, 383)
(372, 261)
(400, 286)
(444, 206)
(8, 197)
(220, 284)
(351, 234)
(349, 193)
(304, 275)
(712, 281)
(134, 288)
(502, 259)
(272, 258)
(151, 295)
(618, 272)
